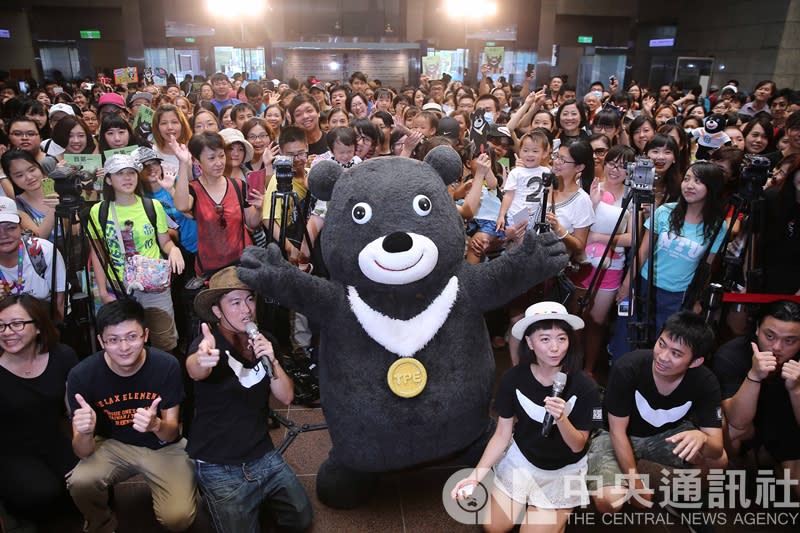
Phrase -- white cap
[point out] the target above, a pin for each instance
(62, 108)
(8, 210)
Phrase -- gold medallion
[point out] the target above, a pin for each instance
(407, 377)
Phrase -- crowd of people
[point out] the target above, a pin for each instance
(178, 193)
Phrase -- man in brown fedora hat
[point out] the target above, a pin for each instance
(235, 369)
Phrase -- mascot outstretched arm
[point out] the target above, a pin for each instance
(406, 368)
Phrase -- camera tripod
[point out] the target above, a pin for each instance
(561, 287)
(285, 197)
(641, 313)
(79, 300)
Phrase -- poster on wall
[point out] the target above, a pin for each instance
(160, 75)
(125, 75)
(431, 67)
(494, 58)
(445, 63)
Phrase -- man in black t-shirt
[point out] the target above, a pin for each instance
(238, 468)
(760, 381)
(125, 402)
(662, 405)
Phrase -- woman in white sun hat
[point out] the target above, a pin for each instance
(538, 451)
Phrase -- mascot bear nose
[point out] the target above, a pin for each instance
(398, 242)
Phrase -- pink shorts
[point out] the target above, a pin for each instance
(609, 279)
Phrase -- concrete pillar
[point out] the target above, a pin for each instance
(547, 36)
(134, 43)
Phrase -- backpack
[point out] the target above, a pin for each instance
(149, 209)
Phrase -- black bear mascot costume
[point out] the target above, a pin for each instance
(405, 364)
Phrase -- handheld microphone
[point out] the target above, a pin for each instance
(559, 382)
(252, 333)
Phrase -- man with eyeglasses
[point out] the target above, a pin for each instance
(292, 143)
(23, 133)
(124, 402)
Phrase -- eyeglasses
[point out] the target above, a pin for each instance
(260, 137)
(16, 325)
(616, 166)
(221, 214)
(298, 155)
(600, 151)
(562, 160)
(131, 338)
(604, 127)
(363, 138)
(24, 134)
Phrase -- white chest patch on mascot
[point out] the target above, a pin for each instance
(413, 262)
(659, 417)
(536, 412)
(404, 337)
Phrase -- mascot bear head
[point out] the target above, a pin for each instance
(715, 123)
(391, 223)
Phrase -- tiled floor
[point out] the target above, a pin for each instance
(402, 502)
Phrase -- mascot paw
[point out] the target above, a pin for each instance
(342, 488)
(256, 263)
(546, 244)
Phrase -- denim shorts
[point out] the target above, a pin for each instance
(488, 227)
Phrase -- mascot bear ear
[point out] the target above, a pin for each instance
(446, 162)
(322, 178)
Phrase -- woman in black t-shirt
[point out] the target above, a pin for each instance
(538, 450)
(35, 453)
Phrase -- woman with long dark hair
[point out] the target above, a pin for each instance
(664, 152)
(684, 230)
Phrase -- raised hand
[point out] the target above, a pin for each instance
(763, 363)
(791, 374)
(84, 418)
(180, 150)
(207, 352)
(146, 420)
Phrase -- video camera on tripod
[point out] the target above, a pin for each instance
(69, 183)
(755, 171)
(284, 173)
(641, 174)
(548, 180)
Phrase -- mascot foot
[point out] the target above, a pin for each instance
(341, 488)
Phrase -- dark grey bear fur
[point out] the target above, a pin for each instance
(372, 429)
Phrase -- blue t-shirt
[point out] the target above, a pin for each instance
(224, 103)
(677, 256)
(188, 226)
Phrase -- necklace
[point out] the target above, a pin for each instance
(19, 284)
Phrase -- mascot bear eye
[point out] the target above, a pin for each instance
(362, 212)
(422, 205)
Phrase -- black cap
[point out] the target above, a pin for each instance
(449, 127)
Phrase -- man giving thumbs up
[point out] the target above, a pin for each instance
(125, 402)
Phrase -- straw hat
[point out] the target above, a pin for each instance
(232, 135)
(220, 284)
